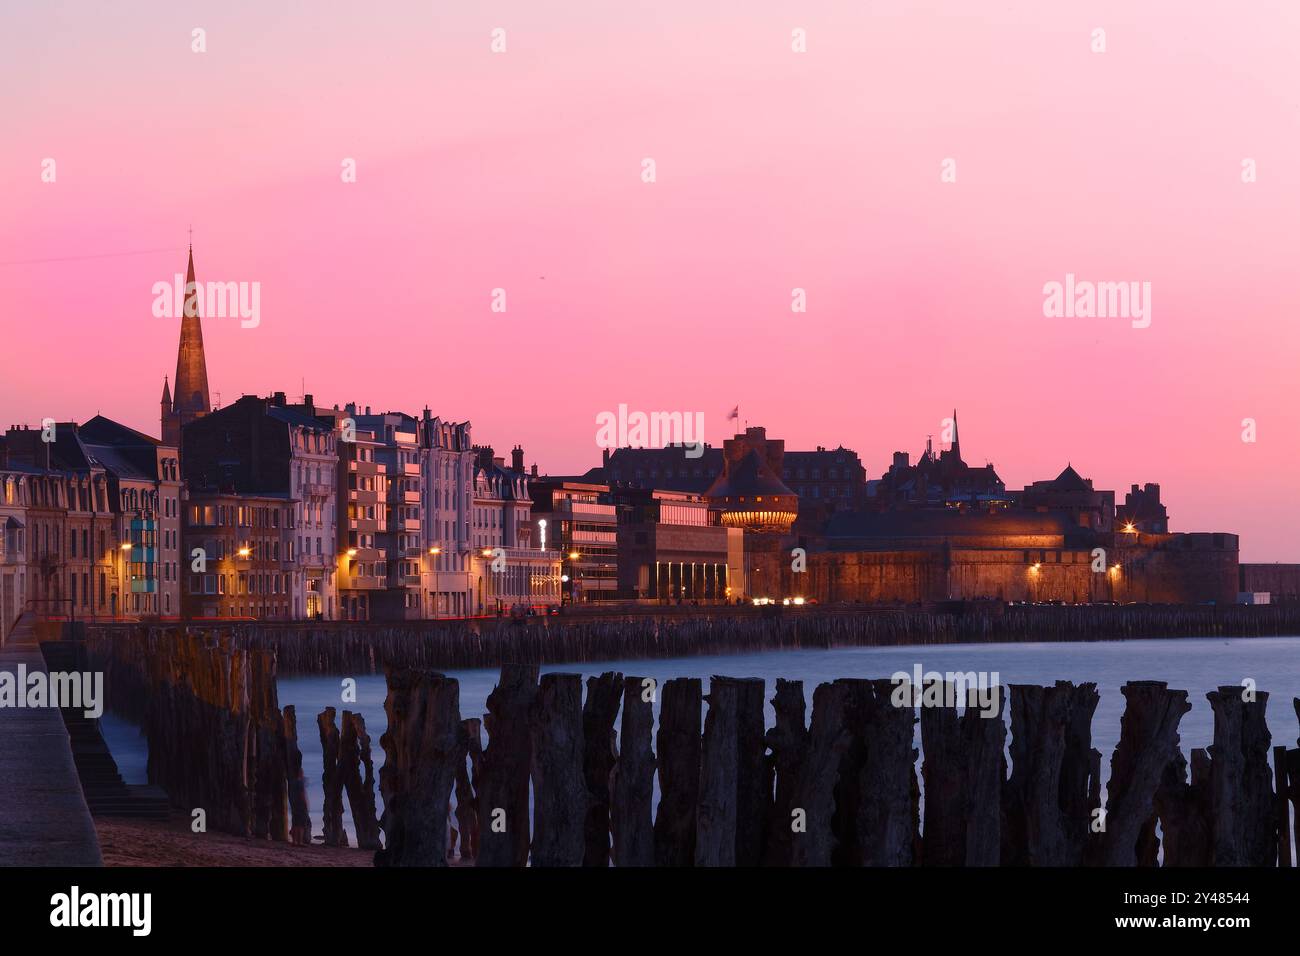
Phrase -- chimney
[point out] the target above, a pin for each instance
(517, 459)
(534, 470)
(278, 399)
(309, 404)
(604, 458)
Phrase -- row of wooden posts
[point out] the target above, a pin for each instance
(308, 647)
(839, 789)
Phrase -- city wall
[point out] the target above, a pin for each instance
(1177, 569)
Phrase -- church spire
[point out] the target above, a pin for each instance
(191, 366)
(190, 399)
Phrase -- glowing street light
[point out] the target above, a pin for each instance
(126, 545)
(573, 555)
(352, 552)
(244, 552)
(435, 550)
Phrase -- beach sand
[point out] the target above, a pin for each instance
(155, 843)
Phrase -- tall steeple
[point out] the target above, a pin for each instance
(191, 395)
(956, 439)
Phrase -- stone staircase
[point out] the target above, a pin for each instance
(106, 793)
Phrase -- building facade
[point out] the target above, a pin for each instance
(581, 523)
(511, 573)
(265, 450)
(671, 549)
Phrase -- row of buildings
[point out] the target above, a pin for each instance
(272, 508)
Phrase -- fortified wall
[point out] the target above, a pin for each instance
(1156, 569)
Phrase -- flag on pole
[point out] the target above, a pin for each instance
(734, 414)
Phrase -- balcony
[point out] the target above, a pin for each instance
(411, 497)
(411, 468)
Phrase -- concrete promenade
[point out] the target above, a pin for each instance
(43, 816)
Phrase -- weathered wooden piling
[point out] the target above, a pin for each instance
(331, 781)
(888, 809)
(559, 787)
(715, 822)
(813, 842)
(1148, 743)
(732, 806)
(944, 772)
(1184, 810)
(467, 818)
(1052, 791)
(503, 794)
(677, 746)
(984, 735)
(1240, 782)
(633, 778)
(300, 818)
(424, 744)
(357, 772)
(964, 770)
(269, 795)
(788, 743)
(598, 714)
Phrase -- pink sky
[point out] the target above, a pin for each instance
(775, 170)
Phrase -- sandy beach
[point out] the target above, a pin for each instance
(150, 843)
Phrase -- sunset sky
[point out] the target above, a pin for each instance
(775, 170)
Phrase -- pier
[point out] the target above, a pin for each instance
(44, 820)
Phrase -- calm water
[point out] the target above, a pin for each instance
(1197, 665)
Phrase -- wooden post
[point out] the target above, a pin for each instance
(788, 741)
(828, 738)
(559, 788)
(1050, 796)
(300, 818)
(945, 775)
(598, 715)
(984, 739)
(1148, 743)
(753, 802)
(354, 756)
(1184, 811)
(888, 811)
(678, 747)
(633, 778)
(466, 799)
(331, 780)
(1244, 828)
(1281, 811)
(423, 745)
(715, 824)
(503, 794)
